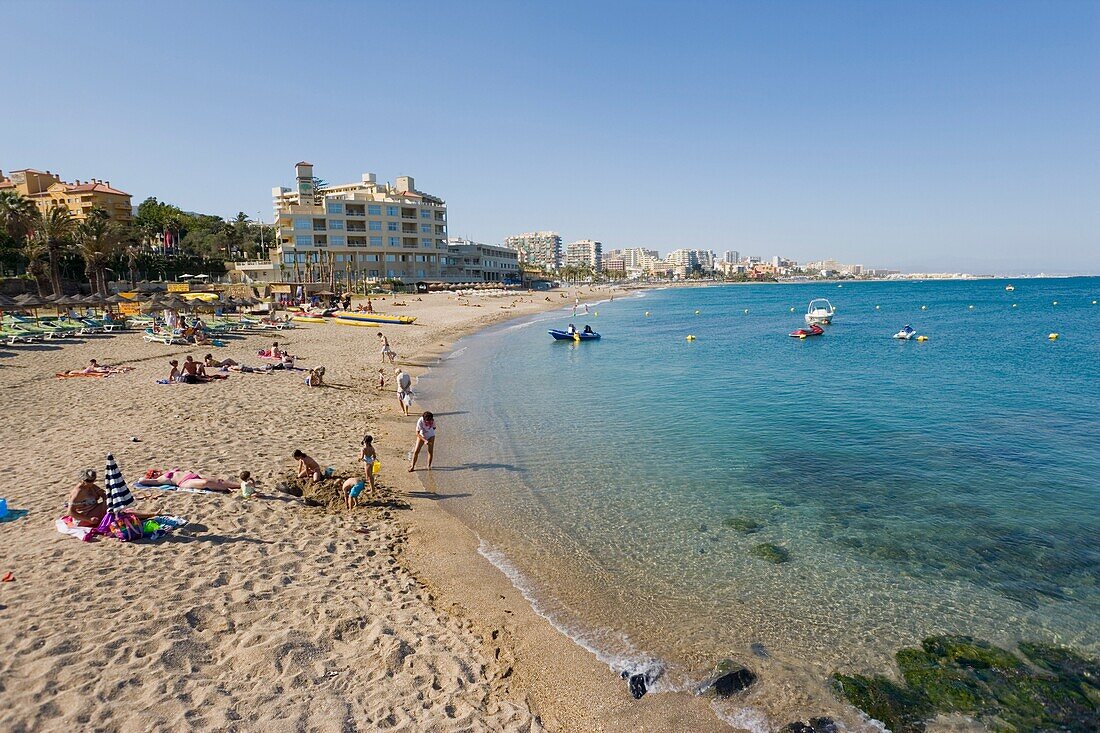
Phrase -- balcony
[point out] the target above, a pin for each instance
(407, 213)
(355, 211)
(357, 226)
(408, 228)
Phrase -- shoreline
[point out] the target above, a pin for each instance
(563, 683)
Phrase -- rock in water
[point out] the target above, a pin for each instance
(728, 677)
(637, 686)
(816, 725)
(771, 553)
(758, 649)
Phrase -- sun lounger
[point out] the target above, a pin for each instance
(168, 338)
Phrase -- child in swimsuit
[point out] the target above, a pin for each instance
(354, 487)
(369, 457)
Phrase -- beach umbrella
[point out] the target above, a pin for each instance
(118, 298)
(118, 493)
(29, 300)
(175, 303)
(7, 303)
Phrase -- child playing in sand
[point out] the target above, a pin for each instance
(316, 377)
(248, 486)
(307, 467)
(381, 378)
(353, 487)
(369, 457)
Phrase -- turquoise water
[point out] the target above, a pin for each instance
(945, 486)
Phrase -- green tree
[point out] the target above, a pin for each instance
(54, 230)
(37, 256)
(97, 239)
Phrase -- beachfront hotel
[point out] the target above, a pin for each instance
(469, 261)
(541, 249)
(364, 229)
(584, 253)
(46, 190)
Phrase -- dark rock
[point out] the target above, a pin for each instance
(727, 678)
(901, 709)
(702, 528)
(816, 725)
(637, 686)
(743, 525)
(758, 649)
(772, 553)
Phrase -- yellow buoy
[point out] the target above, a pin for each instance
(922, 338)
(1094, 302)
(1056, 302)
(690, 337)
(746, 310)
(792, 309)
(595, 313)
(1013, 305)
(876, 307)
(924, 307)
(1052, 336)
(696, 312)
(971, 307)
(647, 314)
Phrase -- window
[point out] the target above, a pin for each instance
(289, 259)
(425, 214)
(336, 224)
(391, 211)
(334, 207)
(338, 258)
(420, 273)
(320, 240)
(425, 228)
(301, 222)
(394, 242)
(336, 241)
(373, 273)
(391, 258)
(368, 258)
(303, 240)
(374, 210)
(426, 243)
(376, 241)
(318, 225)
(374, 226)
(391, 226)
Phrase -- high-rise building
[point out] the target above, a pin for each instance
(47, 190)
(584, 253)
(732, 256)
(637, 258)
(542, 249)
(359, 230)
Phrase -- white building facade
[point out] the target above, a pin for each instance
(541, 249)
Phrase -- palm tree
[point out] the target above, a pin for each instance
(54, 230)
(17, 215)
(37, 255)
(97, 240)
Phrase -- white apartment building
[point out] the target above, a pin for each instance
(469, 261)
(542, 249)
(365, 229)
(584, 253)
(732, 256)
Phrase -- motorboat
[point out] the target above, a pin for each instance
(820, 311)
(906, 333)
(1010, 288)
(574, 336)
(812, 330)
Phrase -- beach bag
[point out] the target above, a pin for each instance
(123, 526)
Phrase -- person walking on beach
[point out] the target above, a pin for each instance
(425, 436)
(387, 350)
(404, 390)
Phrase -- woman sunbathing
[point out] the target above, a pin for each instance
(187, 480)
(213, 363)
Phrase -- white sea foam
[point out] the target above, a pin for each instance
(749, 719)
(626, 663)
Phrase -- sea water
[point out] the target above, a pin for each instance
(945, 486)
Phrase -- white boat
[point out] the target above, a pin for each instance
(1010, 288)
(906, 333)
(820, 311)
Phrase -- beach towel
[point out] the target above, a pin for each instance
(172, 487)
(65, 526)
(151, 529)
(13, 514)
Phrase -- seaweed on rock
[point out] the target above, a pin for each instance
(965, 675)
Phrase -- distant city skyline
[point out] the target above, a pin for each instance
(922, 136)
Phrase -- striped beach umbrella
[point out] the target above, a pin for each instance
(118, 493)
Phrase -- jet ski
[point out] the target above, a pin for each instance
(812, 330)
(906, 333)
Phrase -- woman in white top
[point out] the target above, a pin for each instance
(425, 436)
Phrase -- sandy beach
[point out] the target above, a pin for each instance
(267, 613)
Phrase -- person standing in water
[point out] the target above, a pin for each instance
(425, 436)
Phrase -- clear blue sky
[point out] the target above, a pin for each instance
(925, 135)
